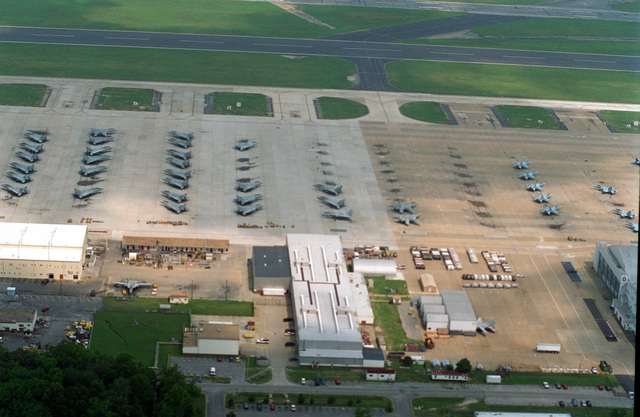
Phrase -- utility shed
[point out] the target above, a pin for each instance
(178, 297)
(271, 269)
(462, 318)
(18, 319)
(375, 267)
(428, 284)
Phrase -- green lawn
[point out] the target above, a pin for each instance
(310, 399)
(251, 104)
(632, 6)
(528, 117)
(514, 2)
(211, 307)
(425, 111)
(27, 95)
(620, 119)
(133, 99)
(514, 81)
(165, 351)
(388, 318)
(169, 66)
(382, 286)
(340, 108)
(590, 28)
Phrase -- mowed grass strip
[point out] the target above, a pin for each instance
(334, 108)
(622, 121)
(588, 28)
(210, 307)
(425, 111)
(632, 7)
(515, 81)
(133, 99)
(388, 318)
(27, 95)
(528, 117)
(325, 400)
(229, 68)
(382, 286)
(250, 104)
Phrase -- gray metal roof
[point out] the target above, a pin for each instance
(627, 257)
(271, 261)
(372, 354)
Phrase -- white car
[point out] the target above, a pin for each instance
(293, 407)
(262, 341)
(545, 385)
(303, 381)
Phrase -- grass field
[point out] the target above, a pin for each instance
(211, 307)
(513, 81)
(383, 286)
(588, 28)
(633, 7)
(165, 351)
(620, 119)
(310, 399)
(171, 66)
(251, 104)
(27, 95)
(133, 99)
(425, 111)
(388, 318)
(528, 117)
(339, 108)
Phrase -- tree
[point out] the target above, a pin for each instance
(407, 361)
(463, 365)
(331, 400)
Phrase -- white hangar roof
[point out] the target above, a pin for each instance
(42, 242)
(375, 266)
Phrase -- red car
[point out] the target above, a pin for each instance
(272, 407)
(564, 386)
(600, 387)
(219, 358)
(608, 388)
(45, 309)
(338, 381)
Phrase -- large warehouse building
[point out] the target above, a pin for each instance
(270, 270)
(53, 251)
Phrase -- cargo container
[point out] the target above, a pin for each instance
(548, 347)
(494, 379)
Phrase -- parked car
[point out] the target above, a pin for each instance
(323, 381)
(565, 386)
(338, 381)
(45, 309)
(219, 358)
(316, 382)
(262, 341)
(245, 406)
(287, 319)
(600, 387)
(272, 406)
(293, 407)
(583, 403)
(574, 402)
(558, 386)
(594, 370)
(293, 359)
(589, 403)
(303, 381)
(561, 403)
(545, 385)
(289, 344)
(608, 388)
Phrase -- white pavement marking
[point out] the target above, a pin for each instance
(192, 41)
(450, 53)
(48, 34)
(593, 60)
(123, 37)
(522, 57)
(282, 44)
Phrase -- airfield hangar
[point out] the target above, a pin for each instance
(270, 270)
(42, 251)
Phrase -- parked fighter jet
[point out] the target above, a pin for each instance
(338, 215)
(542, 198)
(178, 163)
(180, 184)
(16, 191)
(624, 214)
(407, 219)
(17, 177)
(245, 187)
(248, 199)
(636, 161)
(332, 202)
(31, 147)
(28, 157)
(97, 151)
(91, 160)
(25, 169)
(102, 133)
(99, 140)
(179, 154)
(483, 327)
(35, 136)
(549, 211)
(248, 210)
(521, 165)
(631, 226)
(244, 145)
(181, 135)
(178, 174)
(402, 207)
(174, 207)
(606, 190)
(91, 171)
(178, 198)
(535, 187)
(329, 189)
(82, 194)
(130, 285)
(180, 143)
(527, 175)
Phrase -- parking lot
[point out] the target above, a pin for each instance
(201, 366)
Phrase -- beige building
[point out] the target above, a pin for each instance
(18, 319)
(211, 339)
(174, 244)
(178, 297)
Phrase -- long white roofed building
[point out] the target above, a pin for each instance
(53, 251)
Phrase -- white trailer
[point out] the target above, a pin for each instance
(548, 347)
(494, 379)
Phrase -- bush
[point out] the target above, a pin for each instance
(301, 399)
(312, 400)
(331, 400)
(251, 398)
(350, 403)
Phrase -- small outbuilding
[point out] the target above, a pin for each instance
(376, 267)
(178, 297)
(18, 319)
(381, 375)
(428, 284)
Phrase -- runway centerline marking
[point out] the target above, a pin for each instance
(282, 44)
(522, 57)
(189, 40)
(125, 38)
(451, 53)
(48, 34)
(593, 60)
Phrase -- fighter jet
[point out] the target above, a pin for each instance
(244, 145)
(178, 163)
(535, 187)
(178, 198)
(542, 198)
(631, 226)
(407, 219)
(91, 171)
(91, 160)
(25, 169)
(338, 215)
(180, 184)
(179, 154)
(527, 175)
(184, 144)
(624, 214)
(130, 285)
(521, 165)
(402, 207)
(248, 210)
(30, 147)
(332, 202)
(549, 211)
(606, 190)
(245, 187)
(483, 328)
(82, 194)
(99, 140)
(16, 191)
(35, 136)
(28, 157)
(329, 189)
(248, 199)
(181, 135)
(178, 174)
(174, 207)
(636, 161)
(97, 151)
(102, 133)
(17, 177)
